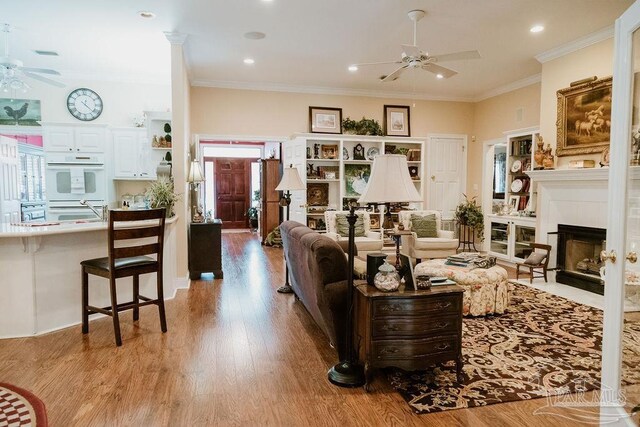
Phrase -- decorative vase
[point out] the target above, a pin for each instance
(387, 279)
(539, 154)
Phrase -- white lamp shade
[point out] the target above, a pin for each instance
(290, 180)
(195, 172)
(390, 181)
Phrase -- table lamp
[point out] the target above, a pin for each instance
(389, 183)
(290, 181)
(195, 177)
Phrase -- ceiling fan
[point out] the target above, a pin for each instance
(12, 69)
(414, 57)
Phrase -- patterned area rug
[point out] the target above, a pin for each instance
(544, 346)
(20, 408)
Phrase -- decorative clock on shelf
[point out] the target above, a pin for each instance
(84, 104)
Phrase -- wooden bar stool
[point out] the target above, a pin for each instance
(124, 261)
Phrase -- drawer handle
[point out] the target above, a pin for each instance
(442, 346)
(442, 325)
(390, 328)
(440, 305)
(388, 350)
(391, 307)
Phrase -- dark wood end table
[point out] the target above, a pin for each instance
(408, 329)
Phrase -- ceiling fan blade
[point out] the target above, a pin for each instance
(439, 69)
(411, 50)
(43, 79)
(395, 74)
(377, 63)
(40, 70)
(457, 56)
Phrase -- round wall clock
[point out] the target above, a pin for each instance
(84, 104)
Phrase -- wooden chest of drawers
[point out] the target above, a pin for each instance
(408, 329)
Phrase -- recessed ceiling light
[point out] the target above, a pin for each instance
(254, 35)
(536, 28)
(248, 61)
(440, 76)
(146, 14)
(353, 68)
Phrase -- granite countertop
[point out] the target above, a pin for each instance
(58, 227)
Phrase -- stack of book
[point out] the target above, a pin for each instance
(464, 259)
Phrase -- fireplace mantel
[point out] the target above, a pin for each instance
(591, 174)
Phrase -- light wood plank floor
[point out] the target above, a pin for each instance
(236, 353)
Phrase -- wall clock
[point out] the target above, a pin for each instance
(84, 104)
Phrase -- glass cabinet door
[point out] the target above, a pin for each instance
(500, 238)
(523, 236)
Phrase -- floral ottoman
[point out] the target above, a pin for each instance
(486, 290)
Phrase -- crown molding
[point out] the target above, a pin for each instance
(519, 84)
(175, 38)
(136, 78)
(581, 43)
(319, 90)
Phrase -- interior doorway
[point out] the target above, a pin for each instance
(447, 165)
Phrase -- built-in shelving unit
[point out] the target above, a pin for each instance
(520, 188)
(336, 168)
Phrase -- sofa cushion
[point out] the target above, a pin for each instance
(435, 243)
(424, 226)
(342, 225)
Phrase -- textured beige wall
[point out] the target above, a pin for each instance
(493, 117)
(595, 60)
(261, 113)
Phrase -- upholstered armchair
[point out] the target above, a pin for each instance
(368, 241)
(427, 247)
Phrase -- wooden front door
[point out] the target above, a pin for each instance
(233, 188)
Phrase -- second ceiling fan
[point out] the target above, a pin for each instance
(414, 57)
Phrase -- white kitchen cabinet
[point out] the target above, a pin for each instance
(74, 138)
(132, 154)
(509, 237)
(9, 184)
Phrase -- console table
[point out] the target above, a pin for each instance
(408, 329)
(205, 249)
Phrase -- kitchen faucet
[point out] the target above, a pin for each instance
(102, 215)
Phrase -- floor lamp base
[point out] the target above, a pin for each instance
(347, 374)
(285, 289)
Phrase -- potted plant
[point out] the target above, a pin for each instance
(252, 214)
(469, 214)
(161, 195)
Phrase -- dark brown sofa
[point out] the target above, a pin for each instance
(318, 275)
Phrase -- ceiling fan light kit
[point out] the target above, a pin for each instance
(413, 57)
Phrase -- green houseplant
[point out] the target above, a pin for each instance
(252, 214)
(161, 194)
(469, 214)
(362, 127)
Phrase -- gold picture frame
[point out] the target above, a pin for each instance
(329, 151)
(584, 118)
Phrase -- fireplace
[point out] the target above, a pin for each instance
(578, 262)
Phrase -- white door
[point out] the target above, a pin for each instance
(59, 138)
(9, 190)
(447, 176)
(623, 227)
(295, 154)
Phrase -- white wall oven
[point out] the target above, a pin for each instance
(71, 178)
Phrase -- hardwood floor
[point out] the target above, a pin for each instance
(236, 353)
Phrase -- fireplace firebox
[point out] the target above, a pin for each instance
(578, 261)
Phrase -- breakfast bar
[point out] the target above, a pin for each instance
(40, 274)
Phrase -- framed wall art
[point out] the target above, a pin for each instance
(396, 120)
(330, 151)
(20, 112)
(356, 178)
(325, 120)
(318, 194)
(584, 118)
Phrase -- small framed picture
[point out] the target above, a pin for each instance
(374, 221)
(312, 223)
(514, 201)
(330, 151)
(330, 175)
(325, 120)
(396, 120)
(406, 272)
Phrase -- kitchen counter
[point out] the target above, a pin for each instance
(40, 275)
(62, 227)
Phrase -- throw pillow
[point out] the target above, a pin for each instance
(342, 225)
(424, 226)
(535, 258)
